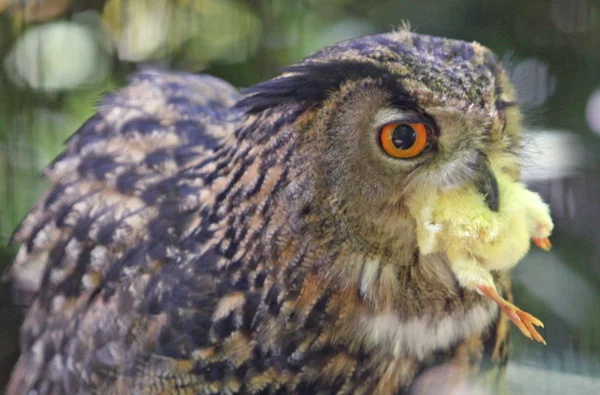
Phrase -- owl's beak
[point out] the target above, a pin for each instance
(487, 185)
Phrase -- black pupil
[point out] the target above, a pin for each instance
(404, 137)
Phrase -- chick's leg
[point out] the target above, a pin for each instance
(538, 215)
(523, 320)
(472, 275)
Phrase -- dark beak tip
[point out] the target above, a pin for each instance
(487, 185)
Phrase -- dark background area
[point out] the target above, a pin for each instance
(58, 57)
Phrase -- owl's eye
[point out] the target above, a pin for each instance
(403, 140)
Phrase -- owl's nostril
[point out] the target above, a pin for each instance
(487, 185)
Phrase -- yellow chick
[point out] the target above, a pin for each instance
(477, 239)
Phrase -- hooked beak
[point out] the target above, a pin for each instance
(487, 184)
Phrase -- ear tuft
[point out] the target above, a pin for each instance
(308, 84)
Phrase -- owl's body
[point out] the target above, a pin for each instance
(199, 241)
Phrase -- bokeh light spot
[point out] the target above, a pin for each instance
(56, 56)
(592, 111)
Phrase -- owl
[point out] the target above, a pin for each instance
(300, 237)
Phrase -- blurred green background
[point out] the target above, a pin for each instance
(58, 57)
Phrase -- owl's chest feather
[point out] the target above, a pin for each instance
(421, 335)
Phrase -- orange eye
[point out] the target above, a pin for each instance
(403, 140)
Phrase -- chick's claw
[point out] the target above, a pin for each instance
(523, 320)
(529, 322)
(542, 242)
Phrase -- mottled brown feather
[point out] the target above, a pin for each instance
(198, 242)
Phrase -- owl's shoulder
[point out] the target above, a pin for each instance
(119, 203)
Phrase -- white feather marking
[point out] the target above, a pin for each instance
(421, 335)
(428, 243)
(387, 115)
(30, 268)
(370, 272)
(98, 257)
(73, 249)
(58, 302)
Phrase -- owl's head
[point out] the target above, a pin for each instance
(377, 117)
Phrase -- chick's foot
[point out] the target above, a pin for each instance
(523, 320)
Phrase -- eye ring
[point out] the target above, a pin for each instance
(403, 140)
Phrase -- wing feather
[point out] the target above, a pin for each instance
(119, 199)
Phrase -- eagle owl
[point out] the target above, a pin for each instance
(199, 241)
